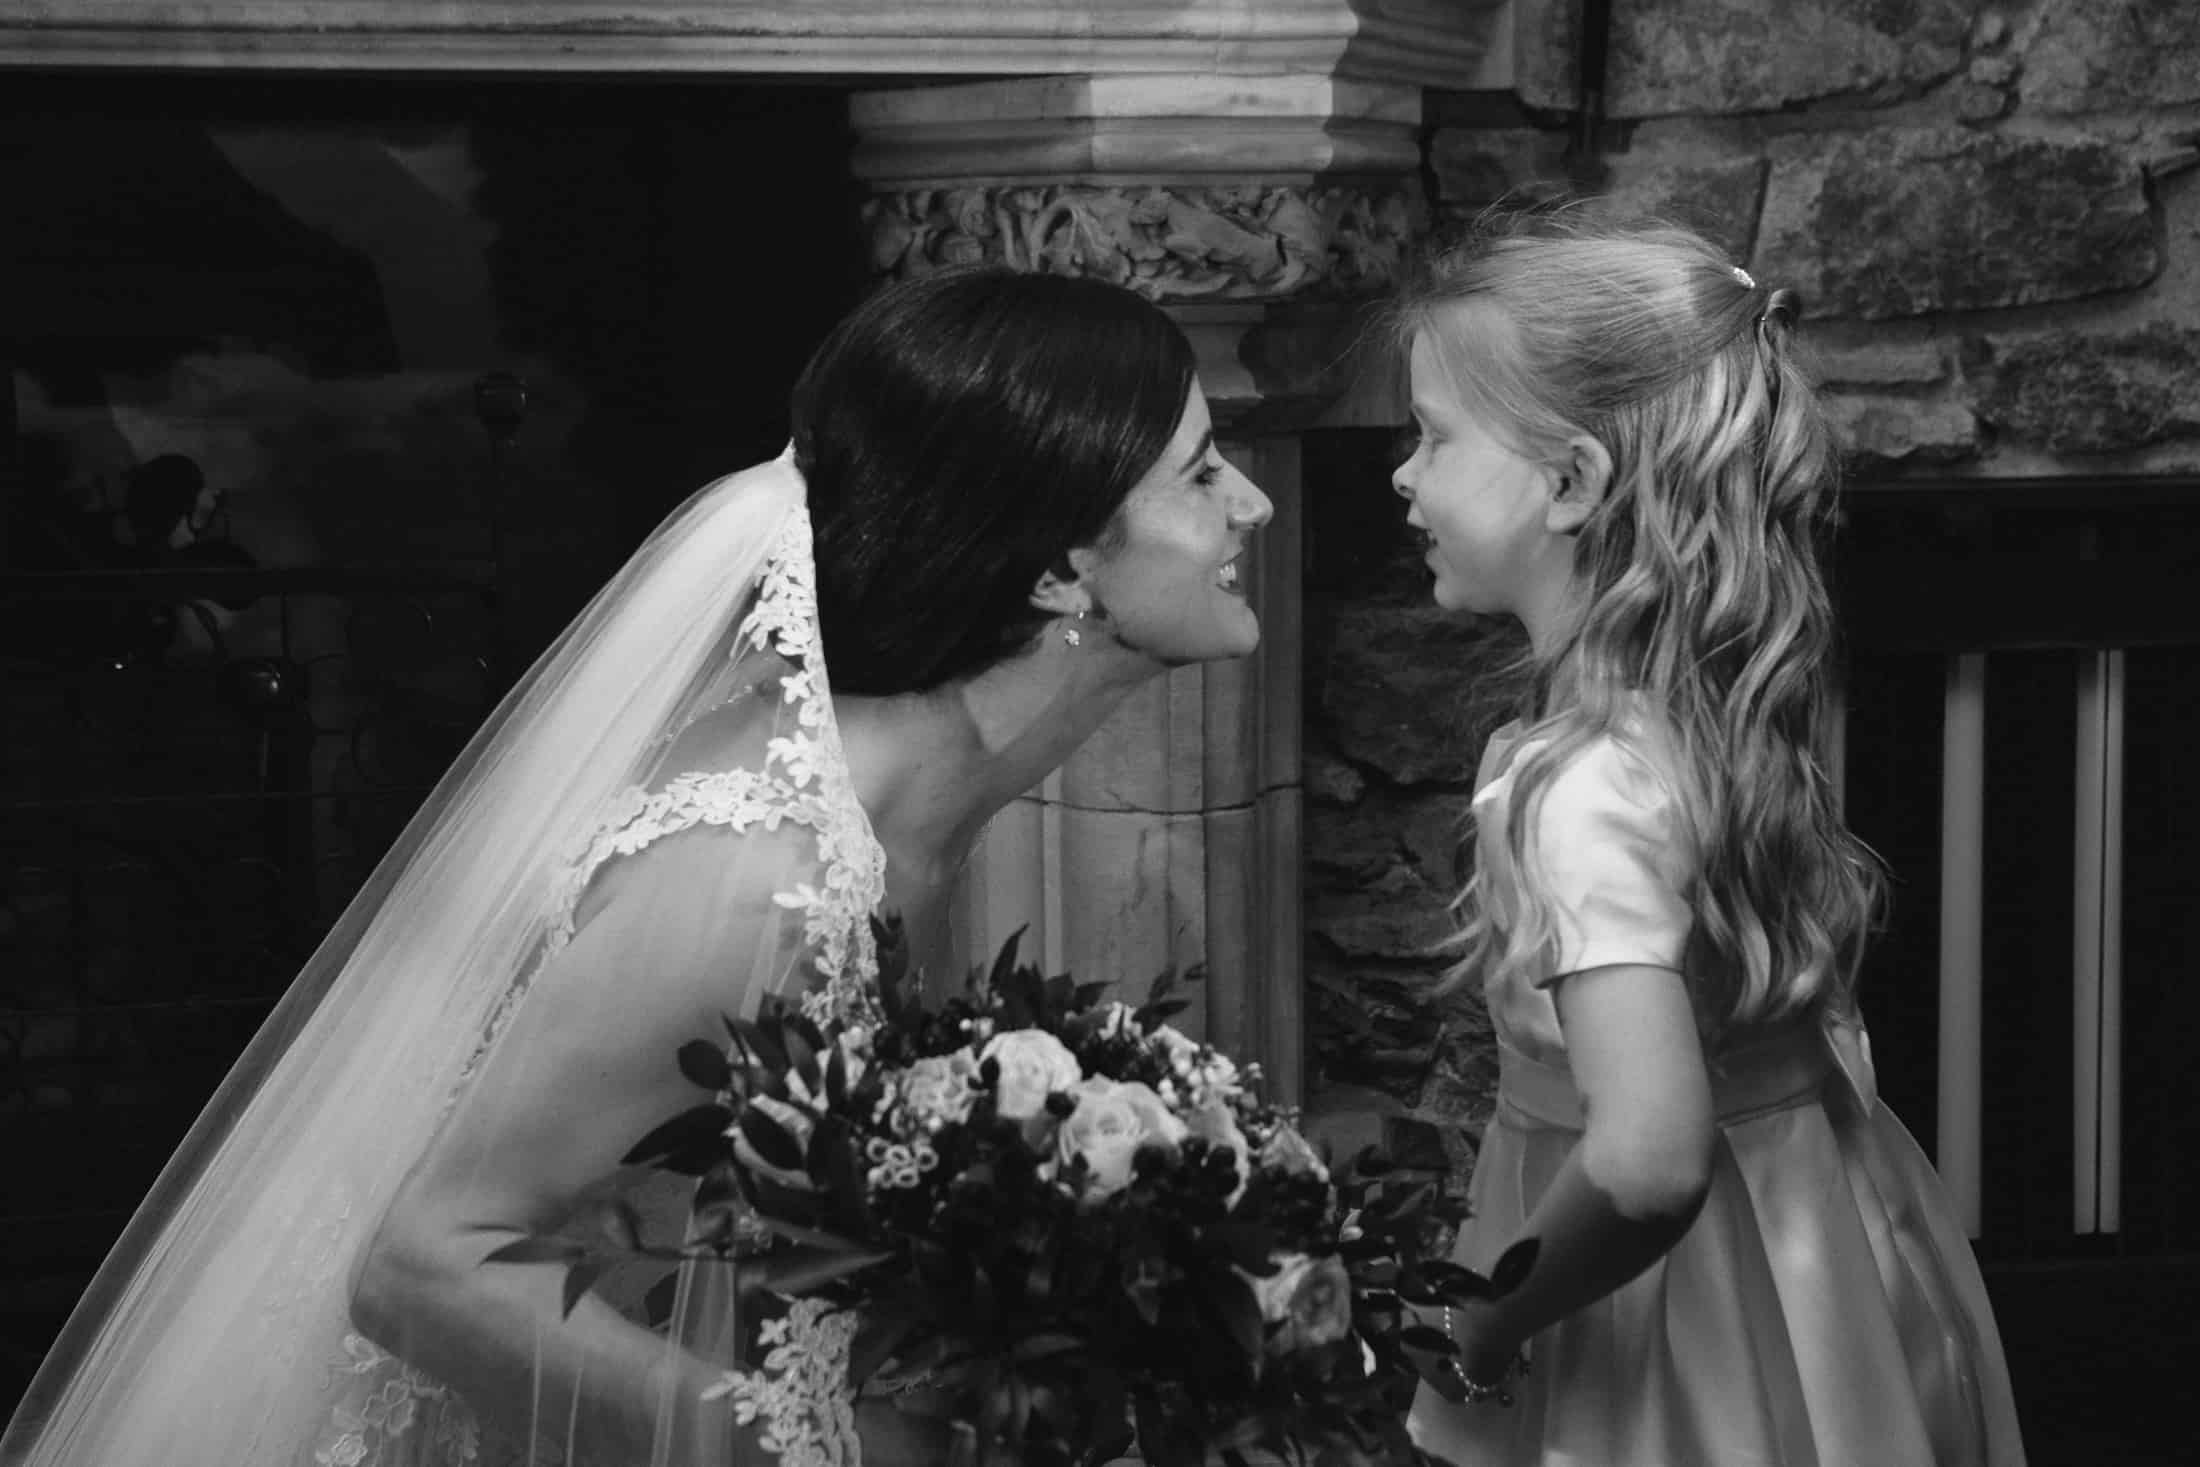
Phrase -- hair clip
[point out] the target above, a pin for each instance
(1743, 278)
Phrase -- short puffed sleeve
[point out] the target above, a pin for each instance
(1609, 852)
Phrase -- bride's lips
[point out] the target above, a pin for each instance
(1227, 577)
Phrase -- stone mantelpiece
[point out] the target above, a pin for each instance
(1260, 211)
(1439, 43)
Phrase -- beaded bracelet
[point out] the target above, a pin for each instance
(1481, 1392)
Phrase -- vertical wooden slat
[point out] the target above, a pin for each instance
(2096, 988)
(2112, 950)
(1962, 849)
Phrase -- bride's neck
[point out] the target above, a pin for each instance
(932, 768)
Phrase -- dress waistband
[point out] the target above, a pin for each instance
(1778, 1073)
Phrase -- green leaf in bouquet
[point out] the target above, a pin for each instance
(772, 1141)
(706, 1065)
(1398, 1205)
(1154, 1015)
(1110, 1430)
(836, 1080)
(1450, 1283)
(816, 1238)
(658, 1301)
(719, 1187)
(622, 1224)
(1023, 998)
(1004, 962)
(1044, 1347)
(539, 1249)
(1142, 1281)
(690, 1143)
(898, 999)
(759, 1038)
(1251, 1246)
(1086, 995)
(1234, 1306)
(1513, 1266)
(793, 1272)
(887, 1325)
(1429, 1338)
(1371, 1161)
(579, 1279)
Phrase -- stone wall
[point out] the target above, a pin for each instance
(1992, 213)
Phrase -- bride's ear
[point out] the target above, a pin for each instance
(1583, 477)
(1061, 590)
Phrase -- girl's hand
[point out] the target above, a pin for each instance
(1485, 1357)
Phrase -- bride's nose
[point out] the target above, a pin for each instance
(1249, 507)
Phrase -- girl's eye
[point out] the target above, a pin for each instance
(1406, 442)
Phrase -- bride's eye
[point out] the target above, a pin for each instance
(1209, 473)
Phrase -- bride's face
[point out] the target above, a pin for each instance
(1172, 582)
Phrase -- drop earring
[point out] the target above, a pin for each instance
(1073, 633)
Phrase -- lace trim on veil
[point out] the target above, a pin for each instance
(801, 1391)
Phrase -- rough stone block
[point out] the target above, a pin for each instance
(1413, 691)
(1880, 430)
(1462, 1083)
(1719, 57)
(1718, 199)
(1476, 166)
(1877, 363)
(1369, 1026)
(2073, 392)
(1382, 875)
(1907, 221)
(2108, 55)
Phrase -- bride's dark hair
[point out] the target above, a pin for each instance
(961, 432)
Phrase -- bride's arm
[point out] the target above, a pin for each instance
(671, 938)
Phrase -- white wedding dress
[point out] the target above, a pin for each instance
(664, 796)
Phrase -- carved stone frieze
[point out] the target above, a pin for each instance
(1251, 242)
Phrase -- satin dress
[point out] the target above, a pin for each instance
(1824, 1310)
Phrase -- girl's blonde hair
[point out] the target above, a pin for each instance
(1703, 594)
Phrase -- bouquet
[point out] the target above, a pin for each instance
(1075, 1224)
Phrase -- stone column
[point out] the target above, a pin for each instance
(1259, 210)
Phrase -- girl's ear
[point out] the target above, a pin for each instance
(1584, 477)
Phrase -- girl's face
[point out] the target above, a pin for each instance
(1172, 583)
(1484, 505)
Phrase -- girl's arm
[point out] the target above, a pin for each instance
(1631, 1188)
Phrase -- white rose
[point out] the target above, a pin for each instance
(1034, 1064)
(1310, 1299)
(936, 1090)
(1206, 1073)
(1288, 1152)
(1112, 1121)
(1216, 1124)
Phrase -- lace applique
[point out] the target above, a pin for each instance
(801, 1394)
(378, 1399)
(804, 779)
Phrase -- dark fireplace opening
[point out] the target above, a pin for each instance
(326, 403)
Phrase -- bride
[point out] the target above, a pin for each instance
(1002, 510)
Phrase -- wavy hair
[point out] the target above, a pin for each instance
(1703, 594)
